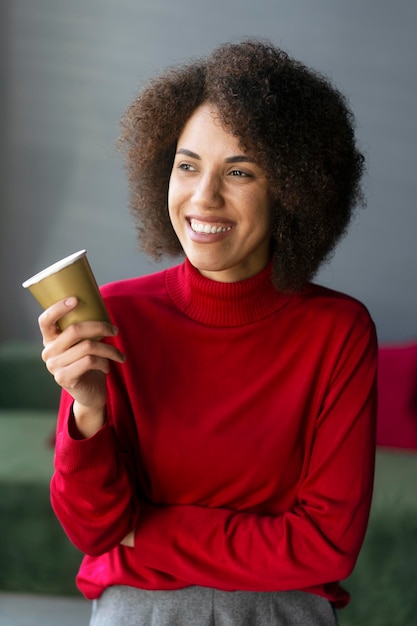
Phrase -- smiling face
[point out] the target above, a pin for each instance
(218, 201)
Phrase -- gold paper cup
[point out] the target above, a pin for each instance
(71, 276)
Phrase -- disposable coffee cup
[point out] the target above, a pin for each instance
(71, 276)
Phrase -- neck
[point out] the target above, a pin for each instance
(219, 303)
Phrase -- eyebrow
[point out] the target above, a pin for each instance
(238, 158)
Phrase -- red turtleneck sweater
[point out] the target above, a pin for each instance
(239, 440)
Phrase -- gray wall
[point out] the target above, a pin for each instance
(70, 68)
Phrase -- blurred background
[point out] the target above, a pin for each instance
(69, 70)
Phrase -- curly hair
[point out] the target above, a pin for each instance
(293, 122)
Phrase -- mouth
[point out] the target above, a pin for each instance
(209, 228)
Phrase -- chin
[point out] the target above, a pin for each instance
(206, 265)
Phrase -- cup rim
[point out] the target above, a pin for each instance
(52, 269)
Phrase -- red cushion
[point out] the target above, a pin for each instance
(397, 396)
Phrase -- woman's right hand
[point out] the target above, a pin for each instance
(79, 363)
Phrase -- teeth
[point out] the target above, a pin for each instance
(208, 229)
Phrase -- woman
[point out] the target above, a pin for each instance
(215, 452)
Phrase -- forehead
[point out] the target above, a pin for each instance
(204, 128)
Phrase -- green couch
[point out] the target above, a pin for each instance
(35, 555)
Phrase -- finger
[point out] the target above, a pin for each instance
(70, 376)
(49, 318)
(92, 329)
(76, 334)
(58, 359)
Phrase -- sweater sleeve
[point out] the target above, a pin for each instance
(91, 491)
(315, 542)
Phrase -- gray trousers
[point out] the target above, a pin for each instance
(201, 606)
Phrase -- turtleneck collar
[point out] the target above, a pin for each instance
(223, 304)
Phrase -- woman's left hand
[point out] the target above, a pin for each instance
(129, 540)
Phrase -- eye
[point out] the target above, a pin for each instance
(238, 173)
(186, 167)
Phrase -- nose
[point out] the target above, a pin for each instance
(208, 191)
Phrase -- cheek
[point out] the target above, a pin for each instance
(171, 201)
(174, 195)
(262, 216)
(268, 215)
(170, 192)
(174, 211)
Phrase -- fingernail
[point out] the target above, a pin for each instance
(70, 301)
(114, 330)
